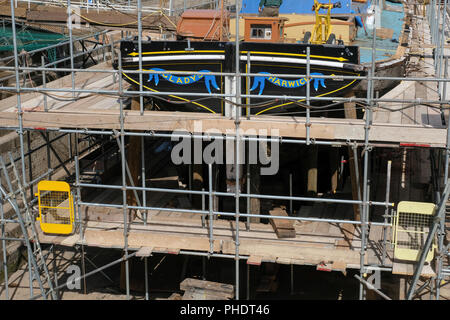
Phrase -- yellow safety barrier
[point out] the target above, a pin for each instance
(411, 227)
(55, 207)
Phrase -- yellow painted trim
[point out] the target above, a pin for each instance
(167, 52)
(243, 52)
(294, 55)
(278, 66)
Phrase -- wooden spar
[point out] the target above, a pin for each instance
(350, 113)
(334, 165)
(312, 152)
(349, 230)
(133, 158)
(255, 181)
(284, 228)
(197, 184)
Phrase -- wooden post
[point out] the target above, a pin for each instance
(133, 158)
(352, 166)
(350, 109)
(402, 288)
(197, 184)
(334, 165)
(312, 171)
(350, 113)
(255, 180)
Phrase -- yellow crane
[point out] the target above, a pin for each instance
(322, 28)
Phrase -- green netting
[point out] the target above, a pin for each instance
(27, 39)
(51, 54)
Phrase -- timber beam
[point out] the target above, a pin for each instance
(289, 127)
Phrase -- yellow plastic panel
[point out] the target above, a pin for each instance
(55, 207)
(412, 225)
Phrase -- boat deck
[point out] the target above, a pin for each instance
(405, 113)
(392, 18)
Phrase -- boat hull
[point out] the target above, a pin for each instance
(280, 70)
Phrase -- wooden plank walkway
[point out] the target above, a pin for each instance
(308, 247)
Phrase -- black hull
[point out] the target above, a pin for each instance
(265, 59)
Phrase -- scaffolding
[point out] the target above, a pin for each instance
(139, 124)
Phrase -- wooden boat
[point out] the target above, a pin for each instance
(353, 23)
(262, 52)
(261, 58)
(391, 44)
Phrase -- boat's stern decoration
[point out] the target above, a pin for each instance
(279, 69)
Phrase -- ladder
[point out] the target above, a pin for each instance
(26, 221)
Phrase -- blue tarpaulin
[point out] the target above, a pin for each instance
(296, 6)
(384, 48)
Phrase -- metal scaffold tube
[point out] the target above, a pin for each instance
(80, 218)
(233, 214)
(124, 258)
(5, 258)
(145, 217)
(386, 211)
(371, 287)
(238, 111)
(442, 249)
(441, 48)
(211, 210)
(72, 74)
(124, 183)
(308, 96)
(365, 195)
(141, 98)
(20, 118)
(243, 74)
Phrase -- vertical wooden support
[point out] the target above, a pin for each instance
(334, 166)
(402, 288)
(352, 166)
(197, 184)
(350, 113)
(312, 171)
(350, 109)
(134, 158)
(255, 180)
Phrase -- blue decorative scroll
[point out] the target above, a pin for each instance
(210, 80)
(290, 83)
